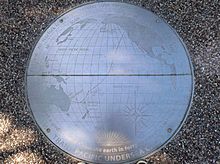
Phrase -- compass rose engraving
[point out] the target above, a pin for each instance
(137, 113)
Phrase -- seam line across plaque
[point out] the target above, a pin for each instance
(184, 74)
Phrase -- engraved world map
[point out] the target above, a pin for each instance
(109, 82)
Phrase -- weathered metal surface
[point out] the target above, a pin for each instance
(109, 82)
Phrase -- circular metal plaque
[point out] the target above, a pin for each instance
(109, 82)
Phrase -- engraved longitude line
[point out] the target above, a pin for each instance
(113, 78)
(82, 77)
(88, 44)
(87, 111)
(106, 87)
(80, 104)
(113, 47)
(137, 76)
(116, 49)
(112, 32)
(111, 64)
(135, 99)
(93, 54)
(54, 57)
(68, 64)
(135, 49)
(114, 97)
(113, 35)
(113, 26)
(74, 70)
(98, 76)
(64, 54)
(69, 56)
(123, 54)
(80, 34)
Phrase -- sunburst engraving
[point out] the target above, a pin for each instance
(112, 138)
